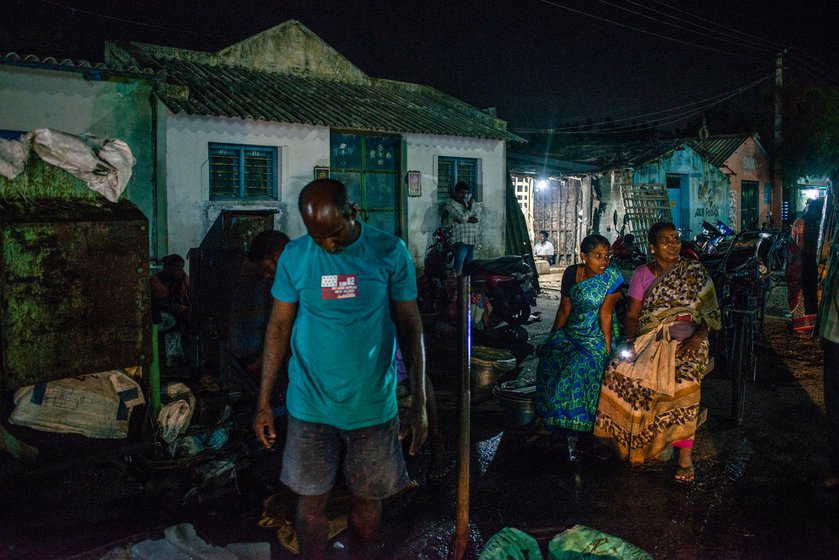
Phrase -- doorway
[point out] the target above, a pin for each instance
(369, 167)
(748, 205)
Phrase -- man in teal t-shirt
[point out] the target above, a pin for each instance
(343, 294)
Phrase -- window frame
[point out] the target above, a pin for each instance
(272, 152)
(477, 185)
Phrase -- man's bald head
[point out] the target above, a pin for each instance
(328, 215)
(324, 196)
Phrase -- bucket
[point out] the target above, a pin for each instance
(485, 376)
(520, 411)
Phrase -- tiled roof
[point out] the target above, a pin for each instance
(720, 147)
(373, 104)
(32, 61)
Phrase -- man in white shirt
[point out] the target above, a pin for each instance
(544, 248)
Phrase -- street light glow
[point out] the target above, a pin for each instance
(541, 184)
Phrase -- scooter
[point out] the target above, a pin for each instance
(625, 252)
(507, 284)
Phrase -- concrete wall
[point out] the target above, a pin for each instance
(33, 98)
(189, 213)
(189, 210)
(422, 212)
(749, 163)
(708, 197)
(707, 190)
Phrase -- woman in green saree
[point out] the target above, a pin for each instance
(573, 358)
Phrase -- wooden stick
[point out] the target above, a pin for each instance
(461, 542)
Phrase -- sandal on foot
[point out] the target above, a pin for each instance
(685, 475)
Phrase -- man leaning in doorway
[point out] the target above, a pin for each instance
(461, 217)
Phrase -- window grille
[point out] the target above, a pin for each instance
(242, 172)
(451, 170)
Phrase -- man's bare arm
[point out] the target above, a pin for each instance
(274, 356)
(409, 333)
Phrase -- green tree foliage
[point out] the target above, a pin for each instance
(810, 132)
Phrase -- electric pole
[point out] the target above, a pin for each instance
(779, 194)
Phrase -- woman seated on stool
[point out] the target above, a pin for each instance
(642, 413)
(572, 360)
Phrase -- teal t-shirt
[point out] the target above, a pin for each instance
(342, 370)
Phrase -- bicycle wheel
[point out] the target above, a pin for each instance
(739, 369)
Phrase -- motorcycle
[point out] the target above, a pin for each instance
(506, 282)
(437, 269)
(625, 252)
(713, 237)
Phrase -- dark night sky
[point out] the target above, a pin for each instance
(541, 63)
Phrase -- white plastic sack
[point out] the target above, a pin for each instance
(105, 165)
(98, 405)
(182, 543)
(174, 417)
(13, 156)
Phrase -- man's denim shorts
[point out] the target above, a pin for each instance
(374, 467)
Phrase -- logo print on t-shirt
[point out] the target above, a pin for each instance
(339, 286)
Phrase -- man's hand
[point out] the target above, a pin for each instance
(416, 423)
(263, 425)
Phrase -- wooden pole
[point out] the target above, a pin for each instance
(464, 322)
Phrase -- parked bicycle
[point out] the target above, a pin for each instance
(739, 278)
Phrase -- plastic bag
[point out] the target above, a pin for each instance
(510, 543)
(584, 543)
(175, 416)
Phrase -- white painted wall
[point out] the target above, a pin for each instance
(190, 213)
(422, 212)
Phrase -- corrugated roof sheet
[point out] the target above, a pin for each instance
(544, 165)
(720, 147)
(374, 105)
(32, 61)
(607, 156)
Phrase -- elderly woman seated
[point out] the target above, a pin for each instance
(649, 400)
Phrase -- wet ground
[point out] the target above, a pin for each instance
(751, 498)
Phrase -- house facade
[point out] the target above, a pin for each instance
(753, 200)
(554, 196)
(246, 128)
(687, 188)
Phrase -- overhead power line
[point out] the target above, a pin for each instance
(130, 21)
(713, 35)
(770, 44)
(638, 29)
(668, 116)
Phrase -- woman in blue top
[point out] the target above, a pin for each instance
(575, 355)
